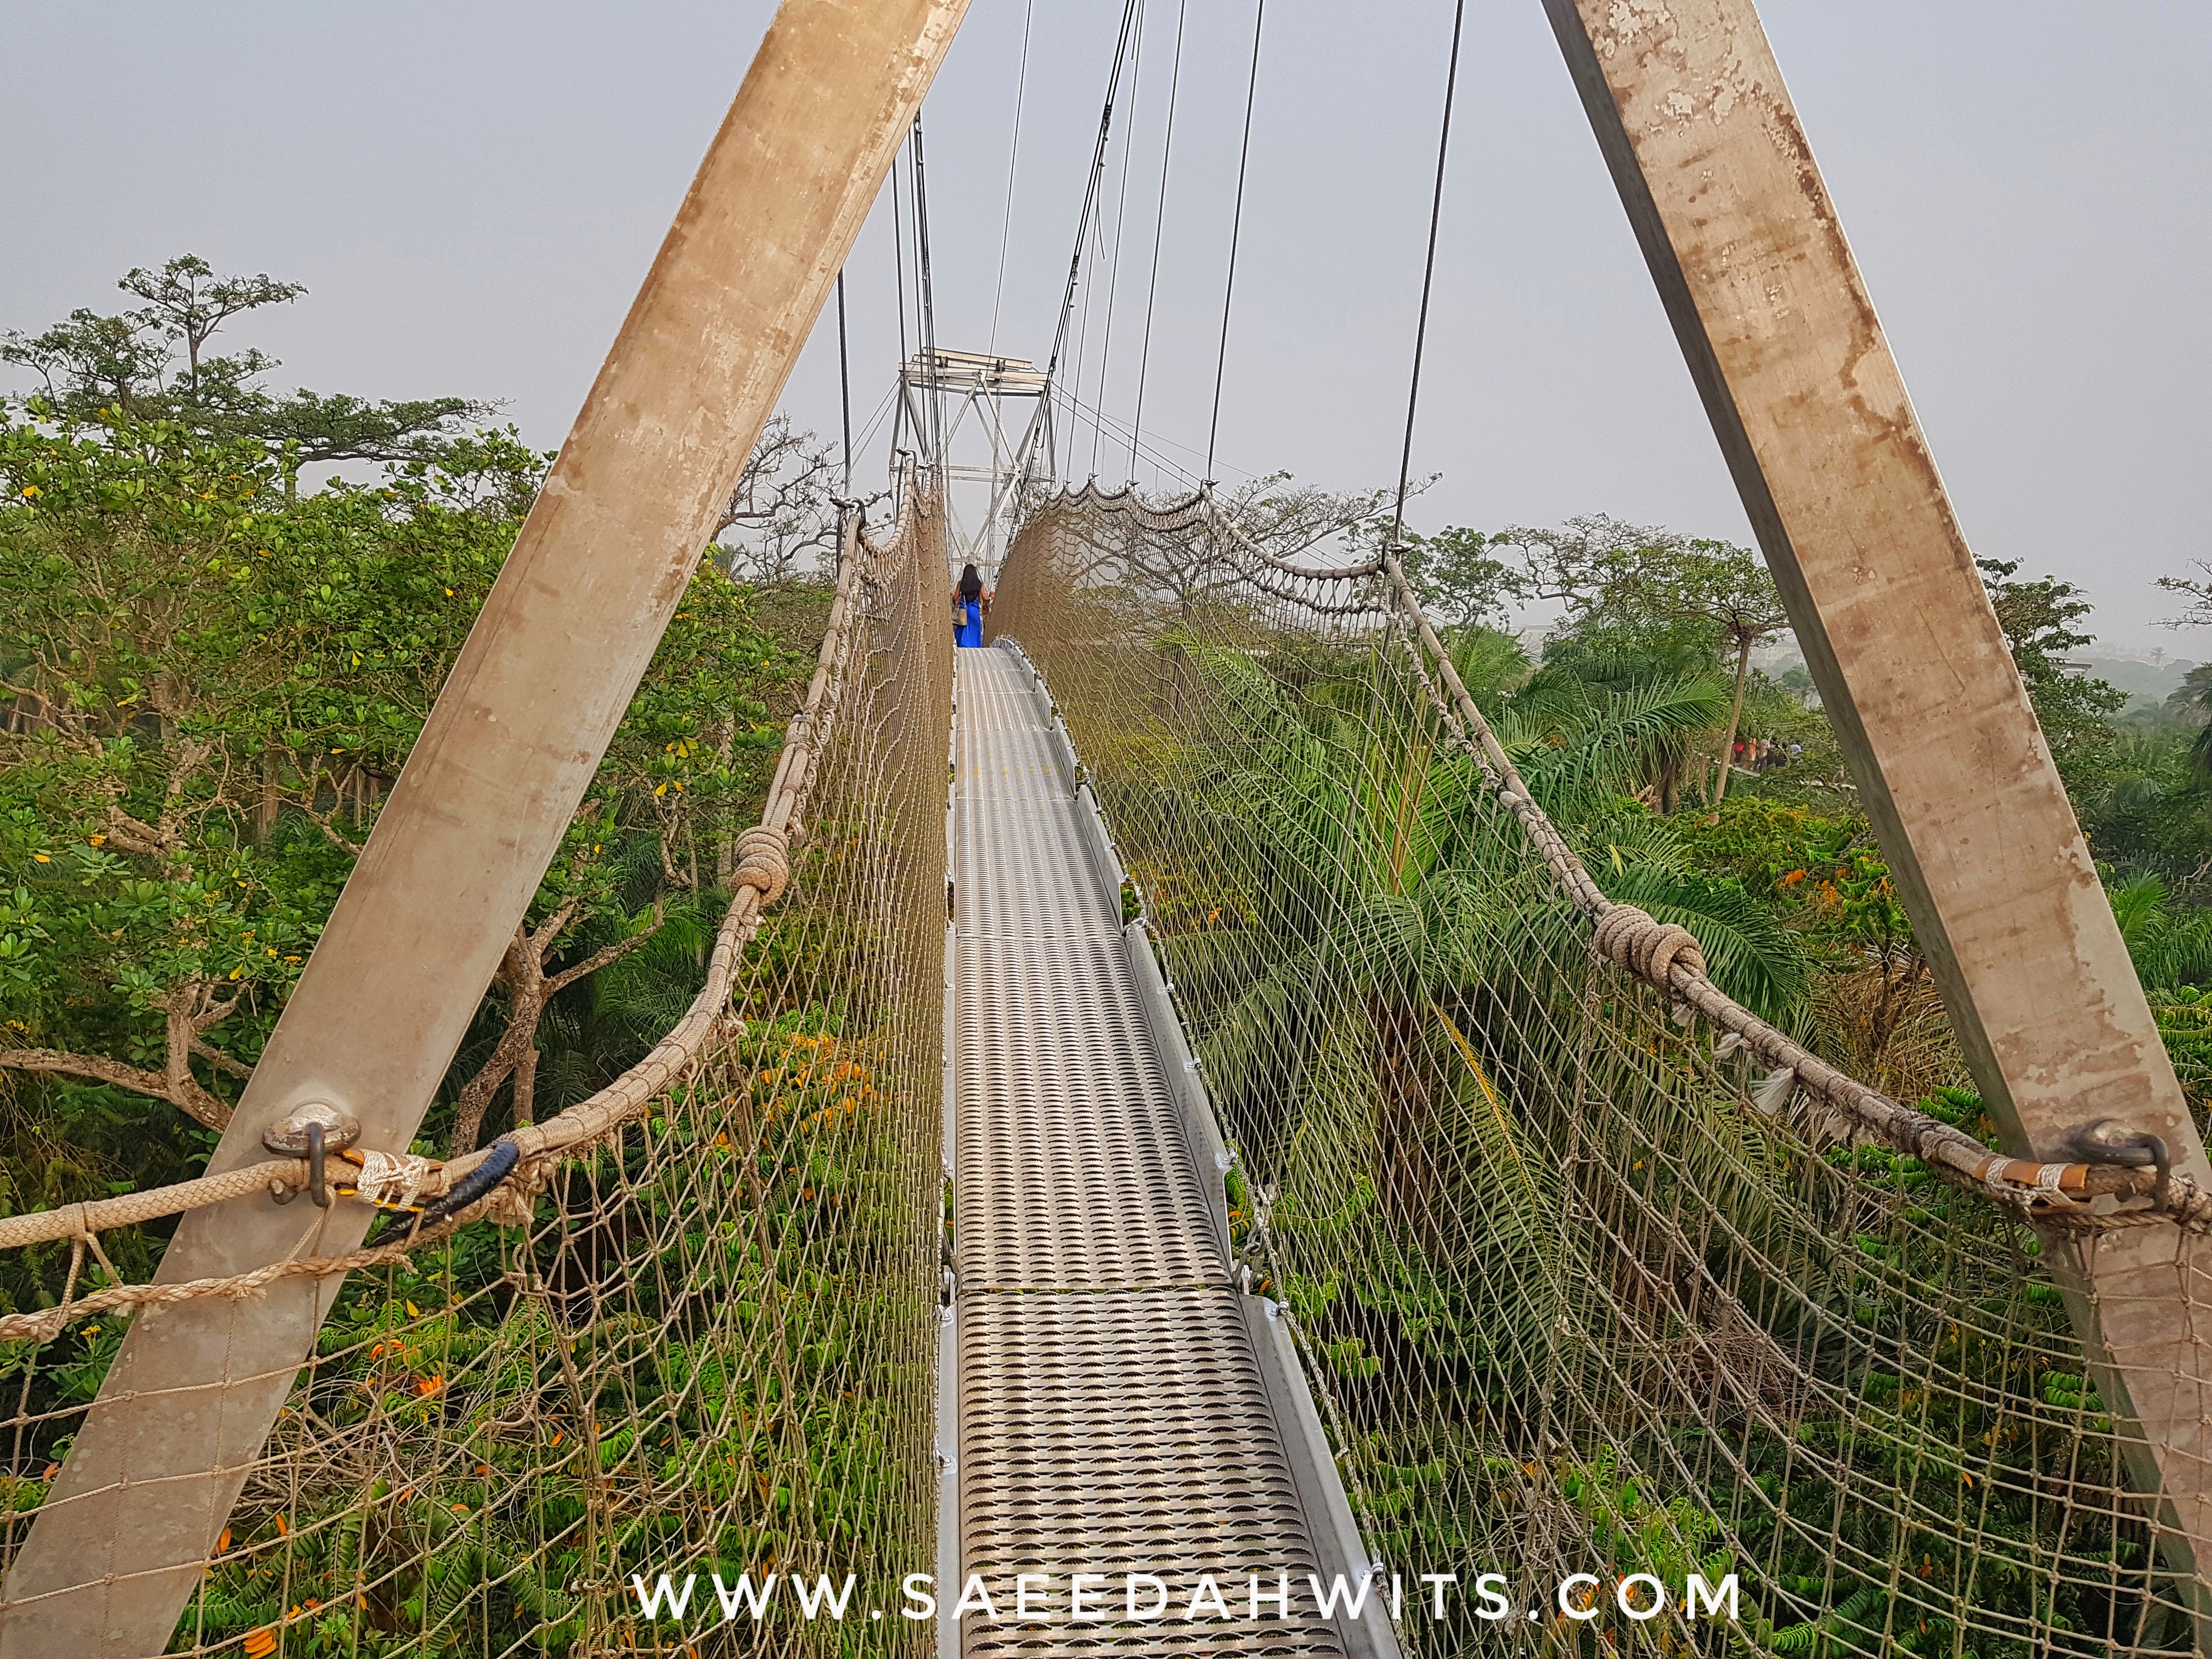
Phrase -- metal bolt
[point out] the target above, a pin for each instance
(313, 1129)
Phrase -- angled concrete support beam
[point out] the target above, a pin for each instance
(1750, 259)
(501, 766)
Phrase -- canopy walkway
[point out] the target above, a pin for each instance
(1092, 1256)
(1232, 1132)
(1446, 1217)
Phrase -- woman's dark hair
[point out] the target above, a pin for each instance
(971, 584)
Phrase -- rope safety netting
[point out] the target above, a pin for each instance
(1593, 1268)
(694, 1326)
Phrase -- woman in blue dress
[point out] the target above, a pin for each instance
(968, 601)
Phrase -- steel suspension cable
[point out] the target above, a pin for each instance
(1160, 222)
(1091, 190)
(1121, 221)
(1013, 160)
(1236, 231)
(1428, 276)
(898, 267)
(926, 298)
(844, 382)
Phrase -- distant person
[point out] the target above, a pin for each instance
(968, 599)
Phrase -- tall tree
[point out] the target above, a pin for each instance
(1612, 576)
(129, 362)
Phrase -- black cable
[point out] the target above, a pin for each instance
(927, 300)
(898, 266)
(844, 383)
(1121, 219)
(1006, 227)
(1235, 230)
(1090, 190)
(1428, 279)
(1160, 222)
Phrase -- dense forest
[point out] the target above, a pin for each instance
(225, 611)
(212, 676)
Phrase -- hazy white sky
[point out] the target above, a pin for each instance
(471, 194)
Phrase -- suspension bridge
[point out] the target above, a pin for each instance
(1171, 1115)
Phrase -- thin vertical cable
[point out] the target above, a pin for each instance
(844, 382)
(1121, 219)
(1235, 230)
(1090, 190)
(1013, 158)
(927, 300)
(898, 266)
(1160, 222)
(1428, 278)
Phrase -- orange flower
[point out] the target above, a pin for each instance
(261, 1642)
(427, 1386)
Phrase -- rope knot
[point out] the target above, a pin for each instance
(764, 863)
(1647, 947)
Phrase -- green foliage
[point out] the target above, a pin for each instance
(211, 685)
(90, 365)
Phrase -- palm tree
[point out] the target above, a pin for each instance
(1387, 1006)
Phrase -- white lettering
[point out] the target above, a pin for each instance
(661, 1592)
(1207, 1589)
(1698, 1591)
(1490, 1590)
(1022, 1582)
(1436, 1581)
(1075, 1588)
(810, 1605)
(1159, 1607)
(1627, 1602)
(746, 1594)
(1353, 1596)
(1586, 1612)
(974, 1588)
(1281, 1598)
(920, 1604)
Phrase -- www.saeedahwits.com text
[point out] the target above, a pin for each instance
(1142, 1597)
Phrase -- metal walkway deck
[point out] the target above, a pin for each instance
(1114, 1410)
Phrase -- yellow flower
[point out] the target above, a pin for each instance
(30, 490)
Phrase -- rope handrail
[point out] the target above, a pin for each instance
(1667, 956)
(516, 1165)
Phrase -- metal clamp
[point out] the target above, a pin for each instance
(2108, 1141)
(315, 1129)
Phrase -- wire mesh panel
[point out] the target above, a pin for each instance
(707, 1345)
(1587, 1284)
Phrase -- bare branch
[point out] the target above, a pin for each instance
(601, 959)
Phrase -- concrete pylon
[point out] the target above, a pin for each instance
(1781, 340)
(502, 765)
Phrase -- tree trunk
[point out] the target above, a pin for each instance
(525, 1079)
(1405, 1119)
(1736, 717)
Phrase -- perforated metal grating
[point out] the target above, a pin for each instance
(1112, 1418)
(1120, 1434)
